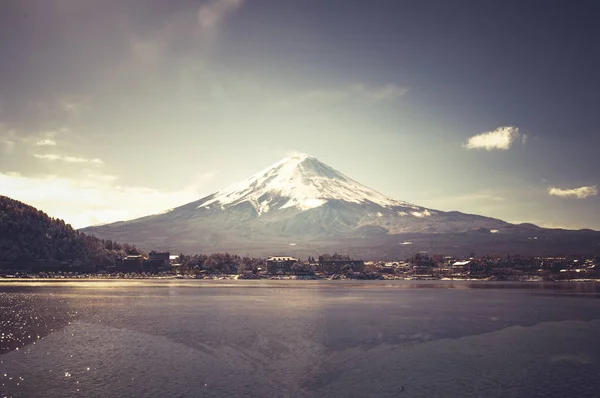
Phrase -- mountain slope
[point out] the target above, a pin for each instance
(299, 201)
(302, 182)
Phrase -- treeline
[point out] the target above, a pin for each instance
(226, 263)
(220, 263)
(331, 257)
(28, 235)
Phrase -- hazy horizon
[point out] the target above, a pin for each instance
(115, 110)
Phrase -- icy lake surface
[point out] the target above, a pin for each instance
(299, 339)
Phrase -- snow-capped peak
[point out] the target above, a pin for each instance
(300, 181)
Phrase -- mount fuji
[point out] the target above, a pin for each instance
(301, 206)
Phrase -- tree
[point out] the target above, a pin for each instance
(347, 269)
(333, 257)
(28, 235)
(303, 269)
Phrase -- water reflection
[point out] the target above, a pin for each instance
(295, 338)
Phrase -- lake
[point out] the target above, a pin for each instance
(189, 338)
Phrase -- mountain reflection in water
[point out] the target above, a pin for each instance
(299, 339)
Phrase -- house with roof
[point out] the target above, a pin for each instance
(280, 264)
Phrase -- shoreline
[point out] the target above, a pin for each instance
(101, 278)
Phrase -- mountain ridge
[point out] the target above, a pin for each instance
(304, 181)
(301, 205)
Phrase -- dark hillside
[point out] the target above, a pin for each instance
(30, 238)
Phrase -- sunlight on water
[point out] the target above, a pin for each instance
(288, 340)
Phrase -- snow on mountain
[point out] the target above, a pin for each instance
(302, 182)
(303, 201)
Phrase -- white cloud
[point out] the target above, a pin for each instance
(68, 159)
(578, 193)
(94, 198)
(12, 139)
(501, 138)
(46, 142)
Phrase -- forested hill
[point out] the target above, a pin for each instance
(28, 236)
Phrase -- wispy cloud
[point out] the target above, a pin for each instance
(575, 193)
(46, 142)
(13, 138)
(7, 138)
(481, 196)
(376, 94)
(487, 201)
(93, 198)
(187, 34)
(358, 92)
(212, 13)
(73, 107)
(67, 159)
(7, 145)
(501, 138)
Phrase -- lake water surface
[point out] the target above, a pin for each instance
(299, 339)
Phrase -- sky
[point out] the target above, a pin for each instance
(112, 110)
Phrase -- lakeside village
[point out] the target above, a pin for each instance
(421, 266)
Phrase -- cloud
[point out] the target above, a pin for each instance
(359, 92)
(388, 92)
(23, 139)
(7, 145)
(67, 159)
(577, 193)
(94, 198)
(484, 196)
(501, 138)
(212, 13)
(7, 138)
(355, 92)
(46, 142)
(491, 202)
(181, 29)
(181, 43)
(74, 106)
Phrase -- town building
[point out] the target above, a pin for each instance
(336, 266)
(130, 264)
(158, 262)
(280, 264)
